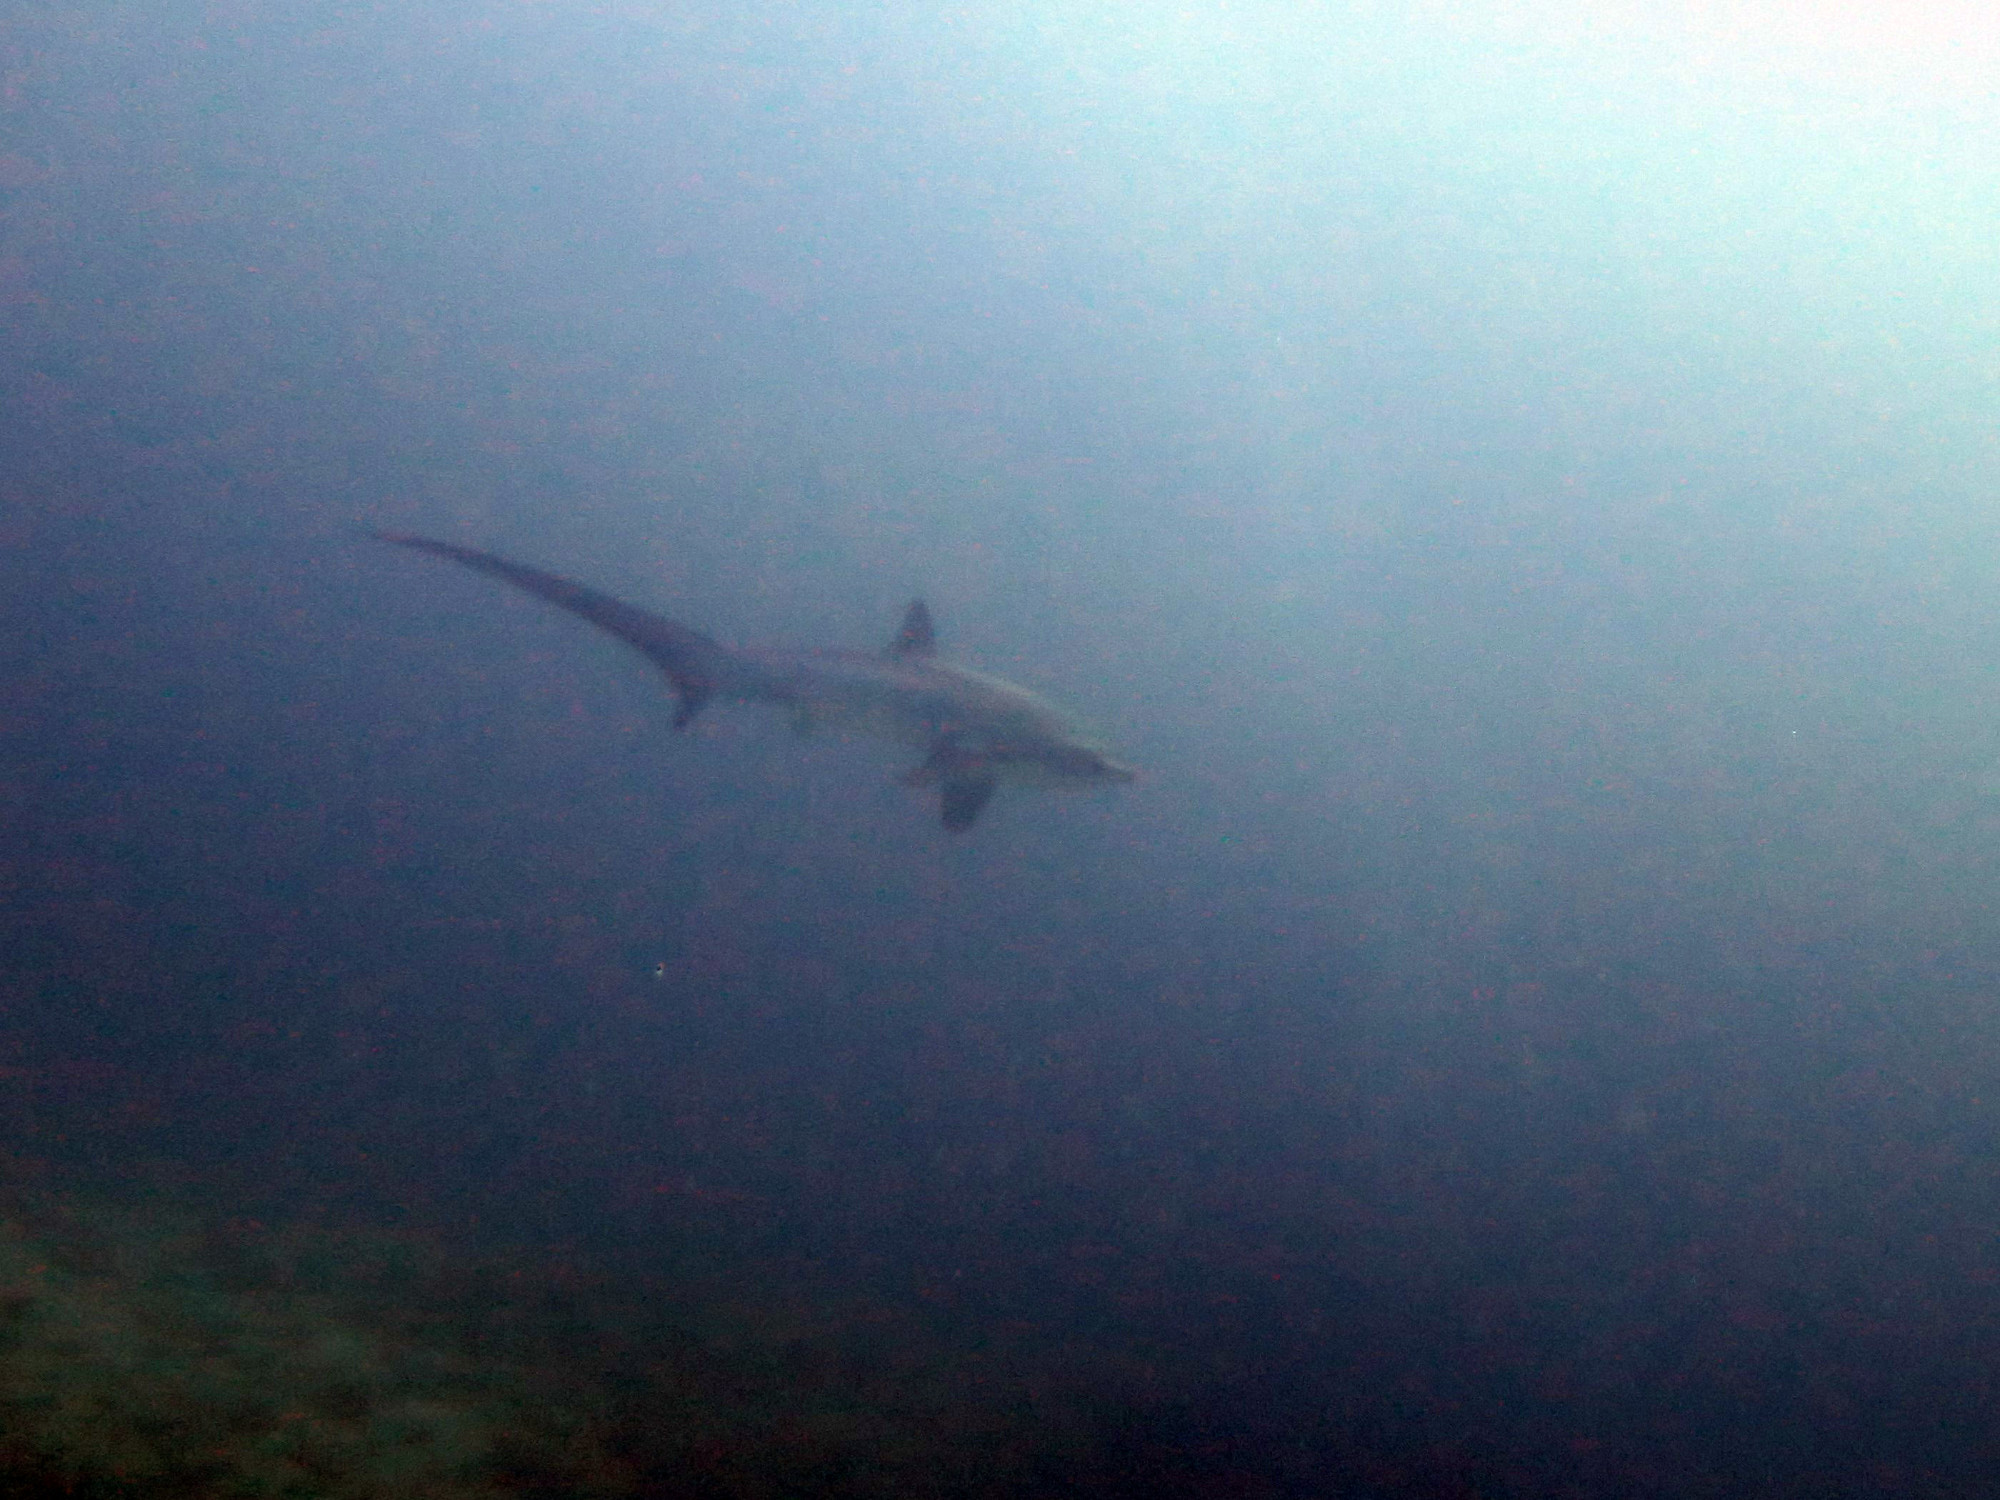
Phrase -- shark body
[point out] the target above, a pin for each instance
(975, 731)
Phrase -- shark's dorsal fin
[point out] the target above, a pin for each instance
(918, 637)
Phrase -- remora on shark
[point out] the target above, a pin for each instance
(975, 731)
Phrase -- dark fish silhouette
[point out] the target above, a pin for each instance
(975, 731)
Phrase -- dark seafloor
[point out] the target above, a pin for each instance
(1522, 488)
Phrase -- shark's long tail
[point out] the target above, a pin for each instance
(694, 664)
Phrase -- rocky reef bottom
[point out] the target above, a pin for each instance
(153, 1344)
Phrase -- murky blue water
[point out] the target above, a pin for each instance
(1522, 495)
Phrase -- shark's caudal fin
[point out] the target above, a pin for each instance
(694, 664)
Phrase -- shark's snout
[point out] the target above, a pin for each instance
(1096, 766)
(1117, 770)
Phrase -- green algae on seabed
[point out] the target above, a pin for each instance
(146, 1348)
(140, 1352)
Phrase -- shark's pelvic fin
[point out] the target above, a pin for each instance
(689, 696)
(918, 637)
(964, 797)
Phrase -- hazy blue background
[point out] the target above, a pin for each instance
(1524, 492)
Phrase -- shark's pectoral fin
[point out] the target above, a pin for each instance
(965, 781)
(944, 759)
(964, 798)
(948, 759)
